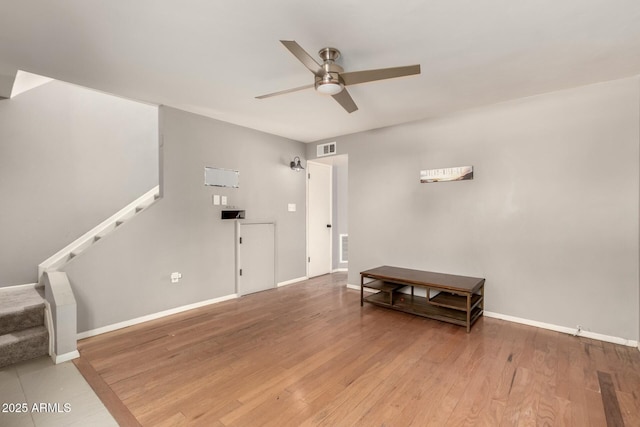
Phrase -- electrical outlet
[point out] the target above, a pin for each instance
(175, 277)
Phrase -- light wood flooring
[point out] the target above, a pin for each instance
(309, 355)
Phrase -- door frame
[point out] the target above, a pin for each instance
(330, 255)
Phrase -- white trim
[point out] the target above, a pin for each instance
(17, 287)
(25, 81)
(542, 325)
(88, 238)
(292, 281)
(48, 323)
(57, 359)
(126, 323)
(357, 288)
(563, 329)
(339, 270)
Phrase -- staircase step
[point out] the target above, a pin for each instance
(23, 345)
(21, 308)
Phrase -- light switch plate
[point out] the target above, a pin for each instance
(291, 207)
(224, 200)
(216, 199)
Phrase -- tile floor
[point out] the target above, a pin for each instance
(39, 381)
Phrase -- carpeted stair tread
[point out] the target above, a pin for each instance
(21, 308)
(24, 318)
(11, 298)
(23, 345)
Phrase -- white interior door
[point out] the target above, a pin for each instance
(318, 219)
(256, 258)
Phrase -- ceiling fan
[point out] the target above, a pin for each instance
(330, 78)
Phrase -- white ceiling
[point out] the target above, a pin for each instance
(213, 57)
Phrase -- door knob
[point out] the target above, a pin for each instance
(328, 225)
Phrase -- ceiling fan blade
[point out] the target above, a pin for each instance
(302, 56)
(357, 77)
(346, 101)
(282, 92)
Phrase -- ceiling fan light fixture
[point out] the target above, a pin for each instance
(329, 87)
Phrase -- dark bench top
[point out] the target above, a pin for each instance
(425, 278)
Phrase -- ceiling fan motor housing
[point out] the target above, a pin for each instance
(329, 81)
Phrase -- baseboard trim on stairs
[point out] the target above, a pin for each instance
(48, 323)
(292, 281)
(16, 287)
(60, 358)
(142, 319)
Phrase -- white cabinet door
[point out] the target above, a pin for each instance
(257, 258)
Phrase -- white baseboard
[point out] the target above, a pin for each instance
(357, 288)
(564, 329)
(292, 281)
(17, 287)
(153, 316)
(64, 357)
(549, 326)
(340, 270)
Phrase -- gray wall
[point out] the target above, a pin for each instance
(6, 83)
(550, 219)
(69, 158)
(126, 274)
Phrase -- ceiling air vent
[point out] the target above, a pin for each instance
(326, 149)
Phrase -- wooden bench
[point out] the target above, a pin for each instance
(449, 298)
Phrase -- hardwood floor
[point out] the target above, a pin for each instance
(309, 355)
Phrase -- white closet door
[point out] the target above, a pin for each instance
(319, 219)
(257, 258)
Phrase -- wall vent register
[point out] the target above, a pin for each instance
(327, 149)
(344, 248)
